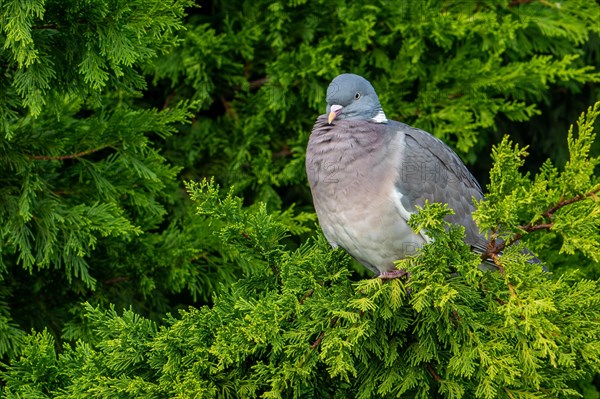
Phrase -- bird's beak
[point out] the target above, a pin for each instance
(334, 111)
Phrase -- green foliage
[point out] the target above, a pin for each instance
(107, 106)
(79, 47)
(296, 325)
(84, 181)
(454, 68)
(516, 203)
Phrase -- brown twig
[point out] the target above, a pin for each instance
(492, 243)
(45, 26)
(550, 212)
(494, 249)
(306, 296)
(433, 373)
(63, 157)
(116, 280)
(275, 271)
(518, 2)
(283, 153)
(322, 334)
(255, 84)
(455, 319)
(527, 228)
(229, 110)
(168, 99)
(318, 340)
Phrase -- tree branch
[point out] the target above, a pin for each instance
(322, 334)
(283, 153)
(455, 319)
(433, 373)
(45, 26)
(318, 340)
(306, 296)
(168, 99)
(493, 249)
(517, 2)
(229, 110)
(550, 212)
(255, 84)
(63, 157)
(116, 280)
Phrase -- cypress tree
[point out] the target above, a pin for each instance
(157, 237)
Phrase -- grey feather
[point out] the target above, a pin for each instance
(431, 170)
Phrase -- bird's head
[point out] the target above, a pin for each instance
(352, 97)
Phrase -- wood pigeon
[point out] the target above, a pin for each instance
(367, 175)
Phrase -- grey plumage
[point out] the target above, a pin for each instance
(367, 175)
(431, 170)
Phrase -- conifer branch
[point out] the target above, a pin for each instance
(509, 393)
(550, 212)
(283, 153)
(229, 110)
(433, 373)
(255, 84)
(306, 296)
(455, 319)
(168, 99)
(518, 2)
(63, 157)
(322, 334)
(500, 301)
(116, 280)
(493, 250)
(318, 340)
(45, 26)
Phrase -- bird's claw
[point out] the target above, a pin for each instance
(392, 274)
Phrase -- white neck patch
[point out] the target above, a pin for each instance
(380, 117)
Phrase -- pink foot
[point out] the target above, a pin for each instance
(396, 273)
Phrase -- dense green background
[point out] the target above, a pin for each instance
(107, 107)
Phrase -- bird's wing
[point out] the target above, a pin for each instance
(430, 170)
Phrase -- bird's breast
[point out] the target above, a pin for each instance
(352, 180)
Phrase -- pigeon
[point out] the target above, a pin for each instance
(368, 175)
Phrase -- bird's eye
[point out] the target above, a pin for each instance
(357, 96)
